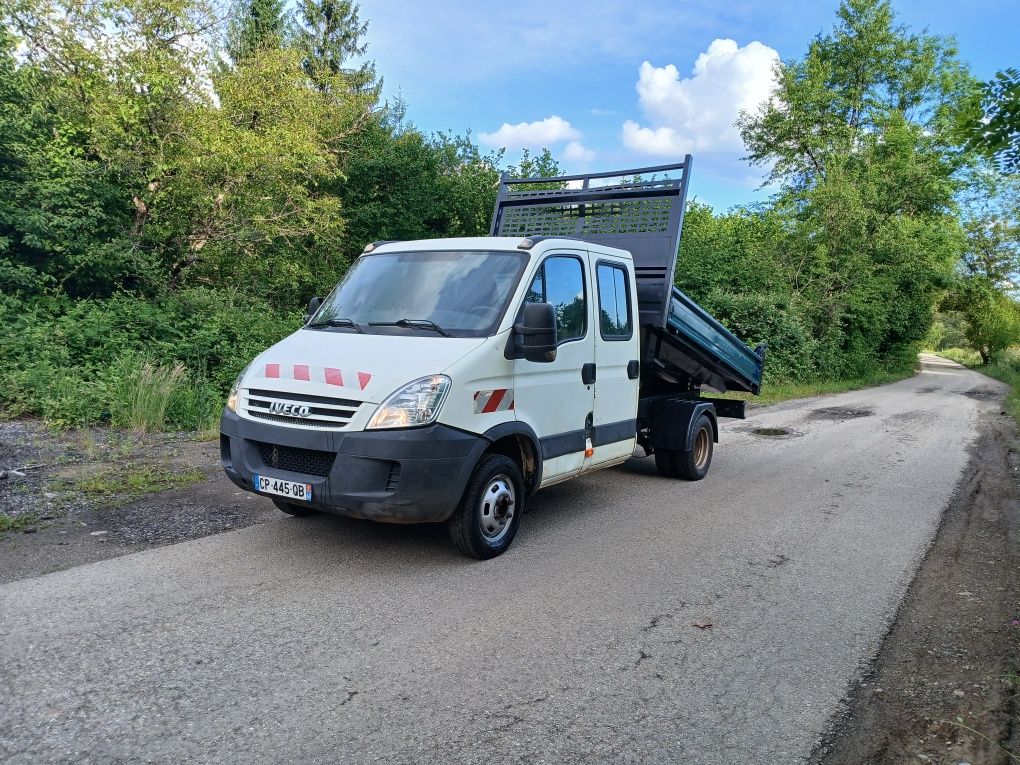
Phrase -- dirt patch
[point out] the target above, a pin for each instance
(75, 497)
(839, 413)
(944, 687)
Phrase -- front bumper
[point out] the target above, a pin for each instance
(399, 476)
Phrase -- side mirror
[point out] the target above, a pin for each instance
(535, 333)
(313, 306)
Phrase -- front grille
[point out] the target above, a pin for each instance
(307, 461)
(323, 412)
(305, 421)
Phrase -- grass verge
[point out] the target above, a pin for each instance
(773, 394)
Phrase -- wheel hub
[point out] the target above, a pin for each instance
(496, 508)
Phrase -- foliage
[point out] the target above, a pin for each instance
(993, 319)
(984, 291)
(328, 33)
(858, 138)
(77, 362)
(257, 25)
(950, 330)
(991, 120)
(990, 216)
(403, 185)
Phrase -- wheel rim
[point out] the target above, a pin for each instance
(496, 509)
(702, 448)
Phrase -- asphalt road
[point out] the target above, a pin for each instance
(328, 640)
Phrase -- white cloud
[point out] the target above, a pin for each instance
(577, 152)
(697, 113)
(531, 135)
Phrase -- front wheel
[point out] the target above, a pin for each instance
(693, 464)
(489, 514)
(296, 510)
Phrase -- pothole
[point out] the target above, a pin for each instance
(771, 432)
(840, 413)
(980, 393)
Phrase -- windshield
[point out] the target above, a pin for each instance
(462, 292)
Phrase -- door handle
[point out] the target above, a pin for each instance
(633, 369)
(588, 374)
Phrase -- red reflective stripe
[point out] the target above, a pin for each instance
(333, 377)
(511, 405)
(301, 372)
(272, 370)
(363, 378)
(494, 399)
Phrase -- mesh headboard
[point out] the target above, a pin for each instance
(634, 210)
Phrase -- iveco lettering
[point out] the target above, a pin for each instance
(448, 380)
(298, 410)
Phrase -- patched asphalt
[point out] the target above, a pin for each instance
(636, 619)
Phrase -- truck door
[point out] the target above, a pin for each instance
(552, 397)
(617, 362)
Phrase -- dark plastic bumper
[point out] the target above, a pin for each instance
(399, 476)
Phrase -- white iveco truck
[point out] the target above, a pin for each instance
(447, 380)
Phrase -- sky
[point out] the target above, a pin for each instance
(615, 84)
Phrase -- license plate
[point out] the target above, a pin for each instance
(289, 489)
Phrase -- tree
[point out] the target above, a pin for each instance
(991, 120)
(858, 136)
(142, 180)
(256, 25)
(989, 269)
(990, 215)
(329, 34)
(401, 184)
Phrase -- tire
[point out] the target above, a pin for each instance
(691, 465)
(299, 511)
(489, 514)
(665, 463)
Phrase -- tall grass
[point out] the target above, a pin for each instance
(144, 395)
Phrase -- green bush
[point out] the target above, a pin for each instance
(772, 320)
(136, 363)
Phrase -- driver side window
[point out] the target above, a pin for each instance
(560, 281)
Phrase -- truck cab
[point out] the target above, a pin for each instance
(448, 380)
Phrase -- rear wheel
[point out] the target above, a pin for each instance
(489, 514)
(691, 465)
(296, 510)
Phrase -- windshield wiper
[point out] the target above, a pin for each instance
(412, 324)
(337, 323)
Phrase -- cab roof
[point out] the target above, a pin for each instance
(501, 243)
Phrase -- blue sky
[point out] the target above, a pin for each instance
(613, 84)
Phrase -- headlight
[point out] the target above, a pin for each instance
(417, 403)
(235, 390)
